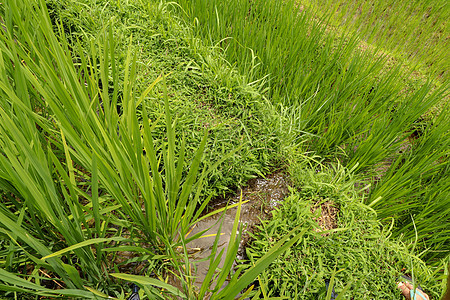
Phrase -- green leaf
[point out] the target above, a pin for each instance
(229, 292)
(149, 281)
(84, 244)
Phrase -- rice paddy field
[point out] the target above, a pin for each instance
(211, 149)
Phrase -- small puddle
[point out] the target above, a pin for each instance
(262, 195)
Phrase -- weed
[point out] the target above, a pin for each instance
(358, 253)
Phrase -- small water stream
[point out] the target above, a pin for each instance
(262, 195)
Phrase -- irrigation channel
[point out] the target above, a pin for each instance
(259, 196)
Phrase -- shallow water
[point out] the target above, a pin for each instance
(262, 195)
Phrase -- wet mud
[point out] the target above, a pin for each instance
(262, 194)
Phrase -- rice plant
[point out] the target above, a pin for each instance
(80, 174)
(83, 181)
(414, 31)
(343, 95)
(354, 104)
(100, 159)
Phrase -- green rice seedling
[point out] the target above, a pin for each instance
(414, 191)
(84, 130)
(46, 198)
(353, 105)
(389, 131)
(238, 280)
(414, 31)
(343, 95)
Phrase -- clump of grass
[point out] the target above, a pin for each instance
(354, 107)
(205, 92)
(343, 95)
(83, 177)
(91, 168)
(359, 255)
(416, 187)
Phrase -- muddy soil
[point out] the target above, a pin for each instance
(262, 194)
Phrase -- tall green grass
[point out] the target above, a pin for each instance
(204, 90)
(81, 174)
(415, 31)
(341, 93)
(84, 180)
(91, 165)
(416, 186)
(355, 106)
